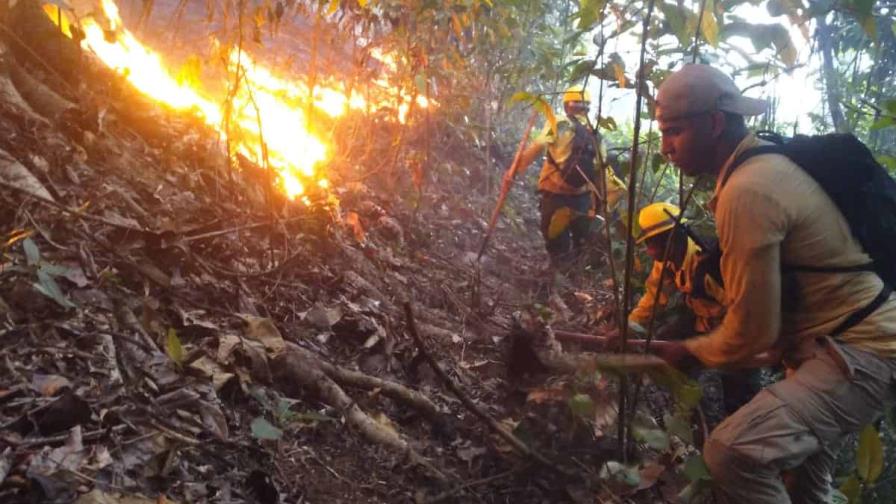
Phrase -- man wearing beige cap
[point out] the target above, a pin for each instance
(780, 233)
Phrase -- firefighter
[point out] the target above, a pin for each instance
(567, 202)
(695, 274)
(770, 213)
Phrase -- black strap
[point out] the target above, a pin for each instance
(860, 315)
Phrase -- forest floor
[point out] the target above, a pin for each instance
(171, 331)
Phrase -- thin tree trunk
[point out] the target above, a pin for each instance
(832, 88)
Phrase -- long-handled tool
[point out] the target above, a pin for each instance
(506, 184)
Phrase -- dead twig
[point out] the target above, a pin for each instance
(470, 484)
(62, 438)
(474, 408)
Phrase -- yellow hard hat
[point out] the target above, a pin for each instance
(654, 220)
(576, 93)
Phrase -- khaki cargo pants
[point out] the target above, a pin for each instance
(798, 425)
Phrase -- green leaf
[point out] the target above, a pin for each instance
(695, 469)
(709, 27)
(890, 106)
(173, 347)
(869, 455)
(581, 69)
(589, 13)
(32, 253)
(654, 438)
(889, 163)
(883, 122)
(680, 427)
(48, 287)
(523, 96)
(581, 406)
(607, 123)
(838, 497)
(262, 429)
(852, 489)
(677, 20)
(630, 475)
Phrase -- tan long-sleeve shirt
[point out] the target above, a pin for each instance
(768, 213)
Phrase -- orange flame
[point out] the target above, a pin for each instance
(267, 125)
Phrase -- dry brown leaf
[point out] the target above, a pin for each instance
(263, 330)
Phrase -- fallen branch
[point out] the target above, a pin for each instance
(303, 369)
(497, 428)
(6, 460)
(388, 388)
(597, 342)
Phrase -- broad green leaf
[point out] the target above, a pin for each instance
(695, 469)
(582, 406)
(869, 455)
(629, 475)
(559, 222)
(889, 163)
(522, 96)
(883, 122)
(709, 27)
(173, 347)
(581, 69)
(677, 20)
(32, 253)
(890, 106)
(838, 497)
(654, 438)
(48, 287)
(680, 426)
(262, 429)
(607, 123)
(852, 489)
(589, 13)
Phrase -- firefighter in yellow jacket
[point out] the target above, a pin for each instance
(694, 275)
(567, 202)
(703, 294)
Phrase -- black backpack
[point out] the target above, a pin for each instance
(862, 190)
(581, 157)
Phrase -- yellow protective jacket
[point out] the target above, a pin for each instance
(559, 145)
(708, 310)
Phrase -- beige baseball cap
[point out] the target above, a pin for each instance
(701, 88)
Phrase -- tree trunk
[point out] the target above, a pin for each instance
(824, 35)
